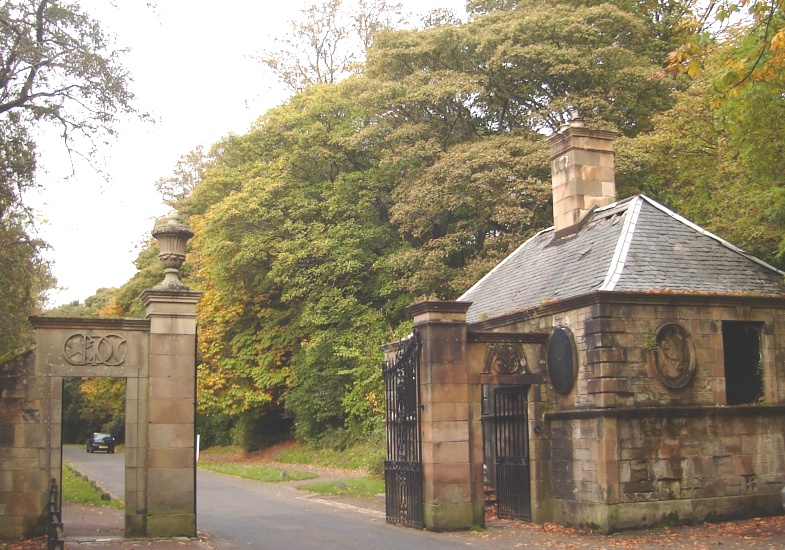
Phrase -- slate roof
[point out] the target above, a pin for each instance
(634, 245)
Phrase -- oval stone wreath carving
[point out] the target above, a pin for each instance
(674, 360)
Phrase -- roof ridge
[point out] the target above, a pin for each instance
(617, 204)
(616, 266)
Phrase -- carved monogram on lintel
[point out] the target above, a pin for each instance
(83, 349)
(505, 359)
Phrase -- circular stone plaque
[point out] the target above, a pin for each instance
(675, 359)
(561, 360)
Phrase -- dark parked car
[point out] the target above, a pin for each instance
(100, 442)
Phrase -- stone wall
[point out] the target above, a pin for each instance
(452, 478)
(614, 340)
(627, 447)
(24, 468)
(157, 358)
(708, 453)
(614, 469)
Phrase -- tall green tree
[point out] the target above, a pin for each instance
(717, 159)
(57, 72)
(460, 113)
(315, 229)
(289, 261)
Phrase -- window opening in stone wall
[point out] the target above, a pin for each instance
(743, 363)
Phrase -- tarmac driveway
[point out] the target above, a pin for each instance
(235, 513)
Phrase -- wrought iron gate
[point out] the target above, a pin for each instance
(403, 467)
(513, 485)
(55, 538)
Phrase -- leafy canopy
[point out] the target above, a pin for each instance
(716, 158)
(707, 27)
(57, 71)
(410, 178)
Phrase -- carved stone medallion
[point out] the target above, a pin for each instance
(674, 360)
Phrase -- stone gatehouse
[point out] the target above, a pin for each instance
(650, 355)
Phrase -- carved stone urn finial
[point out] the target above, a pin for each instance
(171, 237)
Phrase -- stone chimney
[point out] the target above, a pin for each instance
(582, 172)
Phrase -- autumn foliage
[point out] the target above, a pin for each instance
(417, 174)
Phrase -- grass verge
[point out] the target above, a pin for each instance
(78, 490)
(255, 472)
(368, 457)
(353, 487)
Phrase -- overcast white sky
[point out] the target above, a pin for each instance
(191, 67)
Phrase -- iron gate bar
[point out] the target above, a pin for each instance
(403, 467)
(55, 539)
(513, 483)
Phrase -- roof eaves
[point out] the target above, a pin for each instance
(616, 267)
(709, 234)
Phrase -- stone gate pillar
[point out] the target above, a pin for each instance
(171, 393)
(451, 483)
(171, 402)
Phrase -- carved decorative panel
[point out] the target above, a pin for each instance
(504, 358)
(83, 349)
(674, 359)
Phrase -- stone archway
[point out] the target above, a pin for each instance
(107, 348)
(157, 356)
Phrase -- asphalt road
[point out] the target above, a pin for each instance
(105, 469)
(242, 514)
(239, 513)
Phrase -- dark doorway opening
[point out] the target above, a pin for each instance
(506, 451)
(743, 364)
